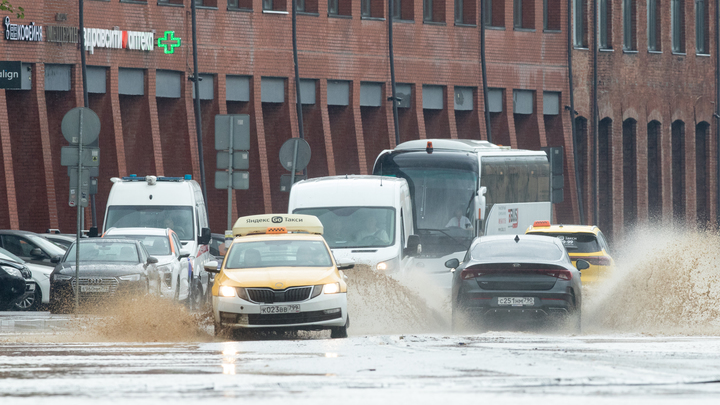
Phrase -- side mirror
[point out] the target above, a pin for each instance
(212, 266)
(582, 264)
(55, 259)
(93, 232)
(152, 260)
(37, 252)
(184, 253)
(346, 264)
(204, 238)
(452, 263)
(414, 247)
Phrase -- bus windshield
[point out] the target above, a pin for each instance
(177, 218)
(443, 185)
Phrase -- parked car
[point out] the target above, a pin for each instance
(30, 246)
(64, 240)
(109, 268)
(164, 245)
(15, 283)
(39, 276)
(521, 277)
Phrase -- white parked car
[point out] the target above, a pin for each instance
(164, 245)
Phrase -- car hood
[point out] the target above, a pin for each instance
(288, 276)
(104, 269)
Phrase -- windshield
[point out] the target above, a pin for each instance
(155, 245)
(179, 219)
(105, 252)
(278, 253)
(49, 247)
(577, 242)
(4, 254)
(507, 250)
(355, 227)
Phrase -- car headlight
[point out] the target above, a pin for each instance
(131, 277)
(61, 277)
(388, 266)
(333, 288)
(12, 271)
(227, 291)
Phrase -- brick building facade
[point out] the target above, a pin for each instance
(245, 59)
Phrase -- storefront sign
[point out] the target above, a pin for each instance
(169, 42)
(116, 39)
(61, 34)
(10, 75)
(20, 32)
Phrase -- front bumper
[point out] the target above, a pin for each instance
(320, 312)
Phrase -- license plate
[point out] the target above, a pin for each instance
(516, 301)
(95, 288)
(279, 309)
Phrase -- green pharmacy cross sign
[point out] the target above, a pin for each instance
(169, 42)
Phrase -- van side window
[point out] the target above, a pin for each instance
(403, 243)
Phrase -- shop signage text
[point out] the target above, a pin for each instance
(20, 32)
(101, 38)
(61, 33)
(10, 75)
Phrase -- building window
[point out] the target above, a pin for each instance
(494, 13)
(434, 10)
(654, 25)
(402, 10)
(551, 15)
(629, 25)
(701, 27)
(372, 8)
(176, 2)
(340, 7)
(605, 24)
(465, 12)
(677, 20)
(579, 18)
(365, 9)
(524, 14)
(274, 5)
(206, 3)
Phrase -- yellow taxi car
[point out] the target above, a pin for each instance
(582, 242)
(279, 273)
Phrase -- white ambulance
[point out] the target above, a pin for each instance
(367, 219)
(166, 202)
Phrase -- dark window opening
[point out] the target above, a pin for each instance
(654, 171)
(552, 17)
(678, 170)
(654, 30)
(702, 173)
(605, 190)
(494, 13)
(524, 14)
(629, 171)
(629, 25)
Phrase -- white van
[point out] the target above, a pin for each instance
(166, 202)
(366, 218)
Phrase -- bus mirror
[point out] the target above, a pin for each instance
(204, 238)
(414, 247)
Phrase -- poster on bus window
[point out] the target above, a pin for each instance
(516, 218)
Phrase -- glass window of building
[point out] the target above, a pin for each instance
(654, 25)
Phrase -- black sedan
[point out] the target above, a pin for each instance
(109, 268)
(15, 283)
(522, 277)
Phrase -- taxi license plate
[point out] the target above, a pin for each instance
(95, 288)
(279, 309)
(516, 301)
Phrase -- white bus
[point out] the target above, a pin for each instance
(466, 188)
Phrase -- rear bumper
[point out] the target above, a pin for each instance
(544, 304)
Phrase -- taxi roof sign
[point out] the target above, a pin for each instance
(259, 224)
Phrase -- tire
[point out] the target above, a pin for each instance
(197, 296)
(220, 331)
(31, 303)
(340, 332)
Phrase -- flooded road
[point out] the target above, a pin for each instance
(503, 367)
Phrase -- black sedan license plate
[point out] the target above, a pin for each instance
(517, 301)
(279, 309)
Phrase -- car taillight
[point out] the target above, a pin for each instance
(596, 260)
(562, 274)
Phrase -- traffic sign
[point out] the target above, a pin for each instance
(240, 180)
(77, 118)
(287, 152)
(240, 160)
(69, 156)
(238, 125)
(79, 189)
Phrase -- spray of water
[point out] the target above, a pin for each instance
(665, 282)
(379, 304)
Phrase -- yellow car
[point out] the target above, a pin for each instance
(279, 274)
(582, 242)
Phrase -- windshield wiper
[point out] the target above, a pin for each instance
(449, 236)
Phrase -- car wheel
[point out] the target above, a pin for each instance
(30, 303)
(197, 295)
(340, 332)
(220, 330)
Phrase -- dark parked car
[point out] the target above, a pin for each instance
(61, 239)
(518, 278)
(109, 268)
(30, 246)
(15, 284)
